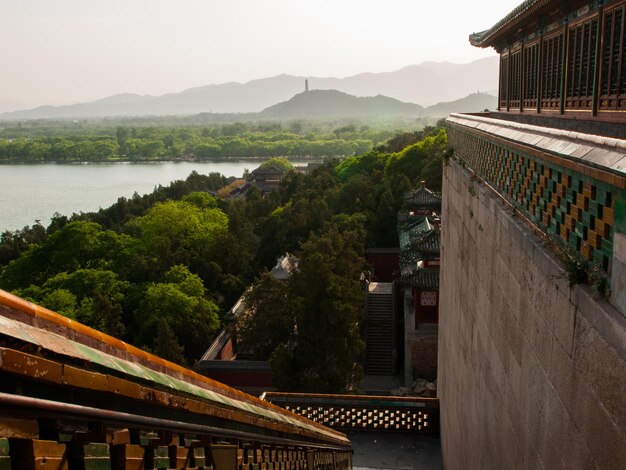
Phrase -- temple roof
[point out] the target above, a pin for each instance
(422, 279)
(508, 24)
(286, 265)
(269, 170)
(419, 237)
(423, 197)
(407, 232)
(413, 270)
(427, 244)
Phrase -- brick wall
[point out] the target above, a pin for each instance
(532, 373)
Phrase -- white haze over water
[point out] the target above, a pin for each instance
(68, 51)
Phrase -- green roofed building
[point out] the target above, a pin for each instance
(419, 235)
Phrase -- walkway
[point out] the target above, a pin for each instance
(379, 450)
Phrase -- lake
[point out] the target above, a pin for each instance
(30, 192)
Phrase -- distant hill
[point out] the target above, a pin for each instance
(426, 84)
(473, 103)
(325, 103)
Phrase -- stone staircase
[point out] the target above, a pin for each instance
(379, 351)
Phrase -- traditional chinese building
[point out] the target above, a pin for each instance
(564, 60)
(553, 147)
(268, 178)
(533, 278)
(419, 235)
(223, 360)
(420, 272)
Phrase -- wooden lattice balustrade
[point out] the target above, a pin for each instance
(363, 412)
(72, 397)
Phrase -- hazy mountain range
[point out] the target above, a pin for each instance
(316, 103)
(426, 84)
(326, 103)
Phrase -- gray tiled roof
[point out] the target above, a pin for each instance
(427, 244)
(423, 198)
(412, 230)
(268, 170)
(423, 279)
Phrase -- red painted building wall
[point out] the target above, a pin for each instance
(385, 265)
(426, 307)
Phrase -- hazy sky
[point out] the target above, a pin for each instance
(64, 51)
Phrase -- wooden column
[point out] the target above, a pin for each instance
(500, 78)
(595, 86)
(522, 70)
(540, 60)
(508, 80)
(564, 67)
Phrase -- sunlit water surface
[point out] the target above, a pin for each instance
(35, 192)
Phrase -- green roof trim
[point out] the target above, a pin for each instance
(415, 230)
(52, 342)
(488, 37)
(428, 243)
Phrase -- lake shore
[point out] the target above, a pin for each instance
(36, 191)
(302, 159)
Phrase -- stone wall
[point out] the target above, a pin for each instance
(420, 345)
(423, 344)
(532, 373)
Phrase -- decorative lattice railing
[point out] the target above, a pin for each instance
(572, 186)
(363, 413)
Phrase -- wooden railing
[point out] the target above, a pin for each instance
(72, 396)
(363, 412)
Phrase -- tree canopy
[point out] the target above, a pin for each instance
(327, 300)
(180, 232)
(132, 140)
(280, 162)
(161, 270)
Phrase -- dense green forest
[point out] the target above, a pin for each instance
(160, 270)
(131, 141)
